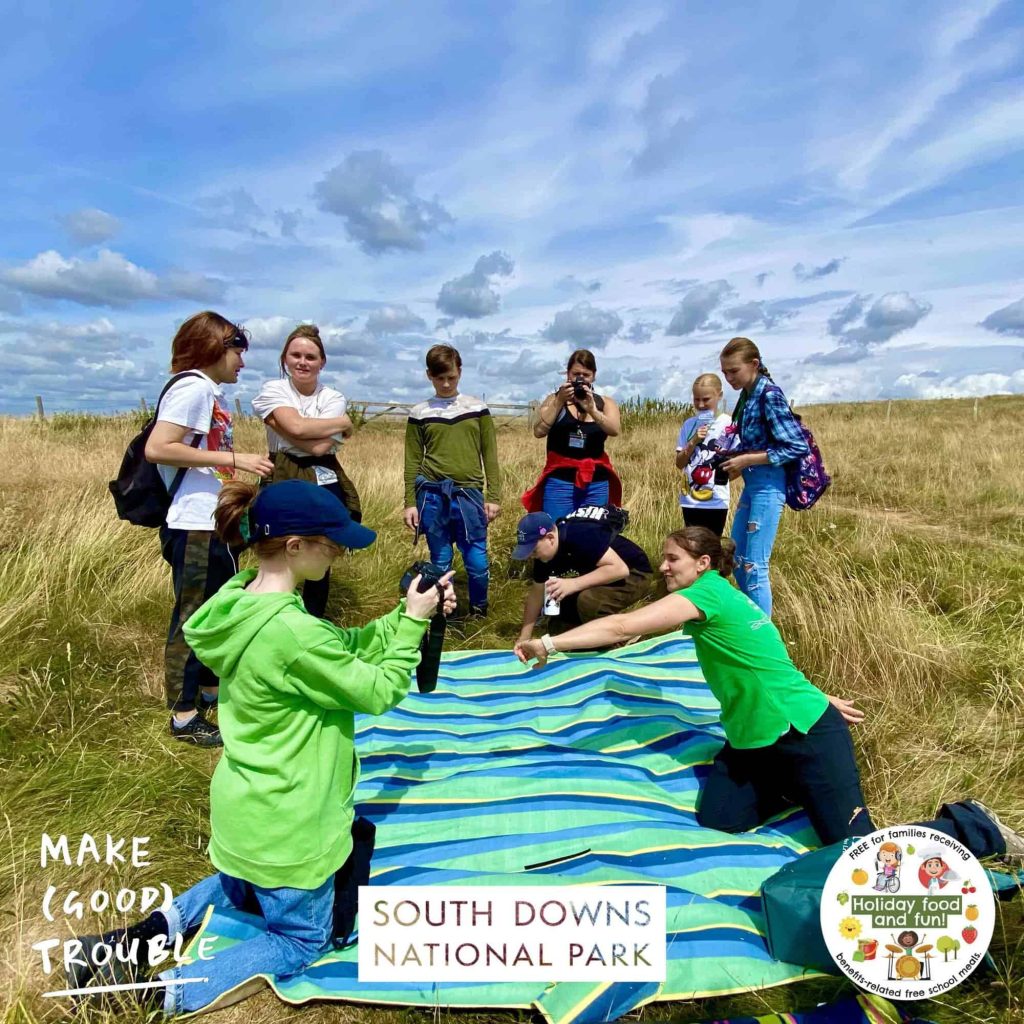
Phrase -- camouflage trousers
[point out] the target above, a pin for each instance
(200, 566)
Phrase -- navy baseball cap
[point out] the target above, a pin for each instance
(299, 508)
(531, 528)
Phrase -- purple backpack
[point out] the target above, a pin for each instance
(806, 477)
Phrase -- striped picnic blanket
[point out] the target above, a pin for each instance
(585, 771)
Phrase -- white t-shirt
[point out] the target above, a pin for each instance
(197, 403)
(701, 488)
(324, 403)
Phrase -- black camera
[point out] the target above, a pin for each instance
(433, 640)
(579, 389)
(431, 577)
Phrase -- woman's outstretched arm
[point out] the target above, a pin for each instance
(668, 613)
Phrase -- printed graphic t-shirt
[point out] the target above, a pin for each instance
(581, 545)
(198, 404)
(324, 403)
(704, 487)
(747, 667)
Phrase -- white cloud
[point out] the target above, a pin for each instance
(892, 314)
(754, 313)
(472, 295)
(1008, 320)
(697, 305)
(89, 225)
(803, 273)
(378, 203)
(233, 209)
(972, 385)
(268, 332)
(108, 280)
(584, 326)
(666, 126)
(394, 320)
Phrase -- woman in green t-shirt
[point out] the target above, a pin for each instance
(786, 742)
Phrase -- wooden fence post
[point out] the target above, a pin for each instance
(533, 411)
(39, 408)
(238, 408)
(142, 405)
(888, 411)
(975, 408)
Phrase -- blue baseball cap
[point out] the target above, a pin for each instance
(531, 528)
(299, 508)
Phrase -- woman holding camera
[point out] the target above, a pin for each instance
(576, 422)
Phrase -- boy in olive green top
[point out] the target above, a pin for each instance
(452, 480)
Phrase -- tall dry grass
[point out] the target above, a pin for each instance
(903, 588)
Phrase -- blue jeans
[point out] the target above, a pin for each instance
(562, 496)
(754, 528)
(299, 923)
(450, 517)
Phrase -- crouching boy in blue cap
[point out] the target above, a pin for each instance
(582, 570)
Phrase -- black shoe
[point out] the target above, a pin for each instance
(81, 977)
(477, 611)
(197, 731)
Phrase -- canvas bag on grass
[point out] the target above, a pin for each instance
(139, 493)
(791, 899)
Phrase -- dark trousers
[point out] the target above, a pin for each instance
(200, 566)
(819, 772)
(597, 602)
(711, 518)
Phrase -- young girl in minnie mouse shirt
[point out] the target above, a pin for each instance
(705, 496)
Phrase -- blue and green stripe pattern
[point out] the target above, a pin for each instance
(584, 771)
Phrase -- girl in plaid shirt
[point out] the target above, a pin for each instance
(769, 438)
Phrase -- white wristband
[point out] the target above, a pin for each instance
(549, 644)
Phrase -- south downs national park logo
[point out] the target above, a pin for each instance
(907, 912)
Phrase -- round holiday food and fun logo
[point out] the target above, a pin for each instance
(907, 912)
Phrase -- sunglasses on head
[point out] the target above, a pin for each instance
(239, 340)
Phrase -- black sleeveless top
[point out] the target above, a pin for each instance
(573, 439)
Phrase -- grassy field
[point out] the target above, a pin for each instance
(903, 588)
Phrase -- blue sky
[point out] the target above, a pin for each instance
(647, 180)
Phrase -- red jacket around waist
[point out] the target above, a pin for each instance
(533, 499)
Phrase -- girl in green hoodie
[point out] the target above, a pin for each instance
(281, 798)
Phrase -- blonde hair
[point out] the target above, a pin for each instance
(708, 380)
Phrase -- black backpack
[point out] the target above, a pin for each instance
(139, 492)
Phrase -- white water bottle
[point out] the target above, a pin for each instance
(552, 606)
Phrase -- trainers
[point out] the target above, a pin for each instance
(1014, 840)
(83, 976)
(197, 731)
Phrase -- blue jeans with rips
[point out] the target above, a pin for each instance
(562, 496)
(299, 923)
(754, 528)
